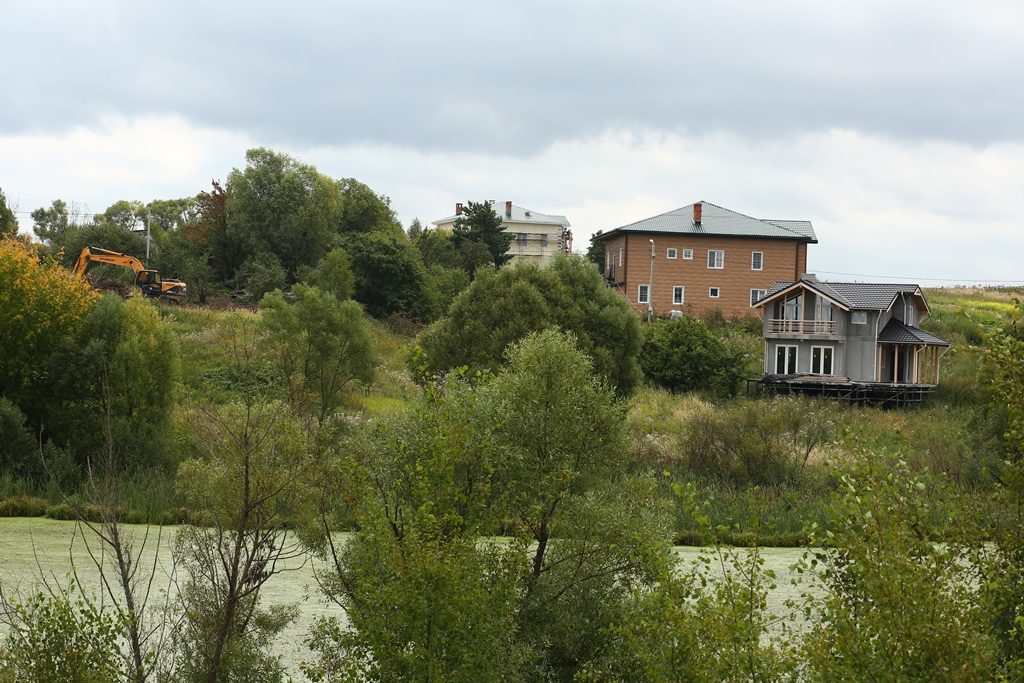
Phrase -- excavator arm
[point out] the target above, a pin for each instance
(91, 255)
(148, 281)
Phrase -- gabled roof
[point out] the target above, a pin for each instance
(871, 296)
(716, 220)
(519, 215)
(896, 332)
(782, 288)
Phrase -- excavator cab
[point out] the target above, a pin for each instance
(148, 281)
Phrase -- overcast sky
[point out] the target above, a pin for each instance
(897, 128)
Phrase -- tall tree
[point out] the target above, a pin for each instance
(283, 207)
(595, 252)
(50, 225)
(129, 215)
(8, 221)
(480, 223)
(415, 229)
(363, 210)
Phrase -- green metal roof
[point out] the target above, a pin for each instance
(716, 220)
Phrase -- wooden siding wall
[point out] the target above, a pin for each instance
(783, 260)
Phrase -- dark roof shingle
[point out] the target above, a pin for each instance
(896, 332)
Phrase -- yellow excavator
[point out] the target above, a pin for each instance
(148, 281)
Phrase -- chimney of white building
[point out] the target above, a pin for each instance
(458, 208)
(508, 208)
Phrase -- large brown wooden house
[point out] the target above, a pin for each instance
(704, 257)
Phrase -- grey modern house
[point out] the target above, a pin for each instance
(836, 337)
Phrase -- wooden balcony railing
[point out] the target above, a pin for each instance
(780, 326)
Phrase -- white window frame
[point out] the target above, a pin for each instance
(831, 360)
(521, 239)
(796, 359)
(858, 317)
(671, 253)
(620, 257)
(753, 264)
(641, 290)
(719, 263)
(687, 254)
(754, 300)
(682, 295)
(717, 292)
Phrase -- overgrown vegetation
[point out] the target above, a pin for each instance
(513, 476)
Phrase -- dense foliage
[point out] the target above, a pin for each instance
(682, 354)
(501, 307)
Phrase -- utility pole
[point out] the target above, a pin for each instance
(147, 240)
(650, 287)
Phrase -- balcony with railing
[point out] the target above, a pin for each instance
(801, 327)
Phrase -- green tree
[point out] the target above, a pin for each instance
(8, 221)
(423, 599)
(50, 224)
(1002, 561)
(596, 250)
(171, 214)
(415, 229)
(244, 481)
(261, 273)
(280, 206)
(125, 214)
(704, 621)
(681, 354)
(122, 344)
(897, 605)
(16, 443)
(593, 535)
(389, 276)
(501, 307)
(323, 347)
(42, 307)
(363, 210)
(181, 258)
(480, 223)
(106, 236)
(333, 275)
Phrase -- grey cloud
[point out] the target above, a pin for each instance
(514, 77)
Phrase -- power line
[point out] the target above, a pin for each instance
(927, 279)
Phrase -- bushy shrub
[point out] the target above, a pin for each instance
(23, 506)
(897, 605)
(681, 354)
(62, 638)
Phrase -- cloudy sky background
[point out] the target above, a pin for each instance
(897, 128)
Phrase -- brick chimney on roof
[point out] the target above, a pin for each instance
(458, 208)
(508, 208)
(697, 207)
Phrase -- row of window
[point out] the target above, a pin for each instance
(522, 238)
(786, 359)
(716, 257)
(643, 294)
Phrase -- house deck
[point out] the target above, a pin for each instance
(882, 394)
